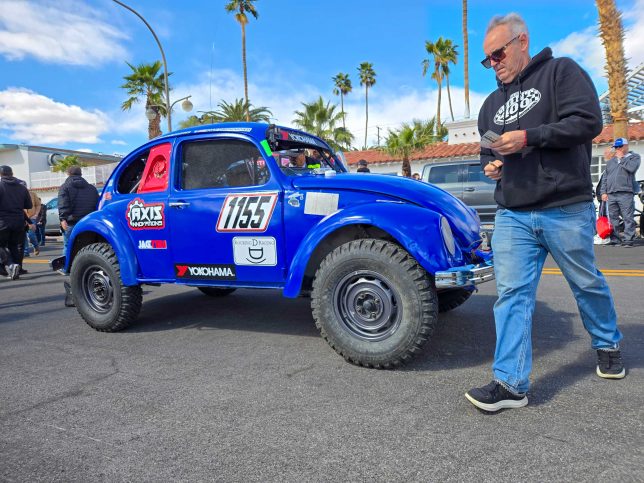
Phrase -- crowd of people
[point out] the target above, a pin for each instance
(23, 216)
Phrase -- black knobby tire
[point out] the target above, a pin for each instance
(216, 291)
(99, 294)
(450, 299)
(373, 303)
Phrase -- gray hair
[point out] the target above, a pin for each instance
(514, 21)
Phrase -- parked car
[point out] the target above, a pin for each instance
(222, 207)
(52, 227)
(466, 181)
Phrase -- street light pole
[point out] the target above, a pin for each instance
(165, 65)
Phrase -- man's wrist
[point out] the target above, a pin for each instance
(525, 138)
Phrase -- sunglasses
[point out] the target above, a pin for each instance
(497, 55)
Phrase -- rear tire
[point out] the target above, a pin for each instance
(98, 292)
(373, 303)
(450, 299)
(216, 292)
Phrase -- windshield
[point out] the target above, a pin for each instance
(301, 161)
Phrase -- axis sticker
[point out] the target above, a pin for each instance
(246, 212)
(142, 216)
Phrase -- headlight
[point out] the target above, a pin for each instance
(448, 236)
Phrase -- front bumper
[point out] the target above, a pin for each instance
(465, 276)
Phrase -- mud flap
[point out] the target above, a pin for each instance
(69, 300)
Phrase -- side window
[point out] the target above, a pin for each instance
(475, 175)
(130, 177)
(445, 174)
(222, 163)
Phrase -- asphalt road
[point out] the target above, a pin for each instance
(244, 389)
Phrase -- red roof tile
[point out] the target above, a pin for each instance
(444, 150)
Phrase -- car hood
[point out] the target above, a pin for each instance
(463, 219)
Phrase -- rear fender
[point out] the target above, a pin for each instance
(415, 228)
(108, 227)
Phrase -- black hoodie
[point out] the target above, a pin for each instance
(560, 112)
(76, 198)
(14, 200)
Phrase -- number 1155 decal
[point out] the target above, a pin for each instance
(246, 212)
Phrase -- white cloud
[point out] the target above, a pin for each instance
(33, 118)
(586, 47)
(65, 32)
(119, 142)
(387, 109)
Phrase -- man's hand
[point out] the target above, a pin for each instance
(510, 142)
(64, 225)
(608, 153)
(493, 169)
(604, 197)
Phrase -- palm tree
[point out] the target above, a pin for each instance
(322, 119)
(450, 56)
(62, 165)
(147, 79)
(466, 72)
(409, 138)
(611, 31)
(367, 79)
(236, 111)
(240, 7)
(342, 88)
(443, 52)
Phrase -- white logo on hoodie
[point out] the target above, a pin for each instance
(529, 99)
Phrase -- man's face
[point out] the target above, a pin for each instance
(515, 52)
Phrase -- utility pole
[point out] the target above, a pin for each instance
(378, 128)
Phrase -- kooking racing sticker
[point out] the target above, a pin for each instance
(142, 216)
(205, 271)
(246, 212)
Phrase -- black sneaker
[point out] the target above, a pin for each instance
(610, 365)
(494, 397)
(14, 271)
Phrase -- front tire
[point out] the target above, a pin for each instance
(373, 303)
(98, 292)
(450, 299)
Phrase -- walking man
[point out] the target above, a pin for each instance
(617, 188)
(14, 200)
(76, 198)
(545, 113)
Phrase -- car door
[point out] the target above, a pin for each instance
(448, 177)
(225, 214)
(478, 191)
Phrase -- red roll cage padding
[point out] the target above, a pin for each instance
(155, 174)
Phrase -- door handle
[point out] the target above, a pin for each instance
(469, 189)
(178, 204)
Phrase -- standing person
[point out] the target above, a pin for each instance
(41, 224)
(546, 112)
(362, 167)
(14, 200)
(31, 219)
(617, 188)
(76, 198)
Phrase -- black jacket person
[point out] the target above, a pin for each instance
(76, 198)
(14, 200)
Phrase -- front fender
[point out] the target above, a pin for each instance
(107, 226)
(416, 228)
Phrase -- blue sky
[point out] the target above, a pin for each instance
(62, 62)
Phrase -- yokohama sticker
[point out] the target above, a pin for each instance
(205, 271)
(142, 216)
(246, 212)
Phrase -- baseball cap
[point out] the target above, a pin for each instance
(619, 142)
(362, 162)
(6, 171)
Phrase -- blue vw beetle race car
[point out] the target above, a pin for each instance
(249, 205)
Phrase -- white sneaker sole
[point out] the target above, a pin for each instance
(505, 404)
(611, 376)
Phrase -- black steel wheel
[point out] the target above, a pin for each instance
(373, 303)
(98, 292)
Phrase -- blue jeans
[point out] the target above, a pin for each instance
(66, 234)
(521, 242)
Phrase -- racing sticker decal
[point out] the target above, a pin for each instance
(199, 271)
(258, 251)
(321, 203)
(507, 113)
(153, 244)
(246, 212)
(145, 216)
